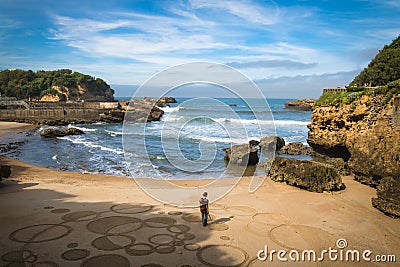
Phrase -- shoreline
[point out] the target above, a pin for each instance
(82, 208)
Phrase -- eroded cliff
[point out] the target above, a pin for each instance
(365, 133)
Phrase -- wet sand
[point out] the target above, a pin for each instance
(52, 218)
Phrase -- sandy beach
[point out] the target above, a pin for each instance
(52, 218)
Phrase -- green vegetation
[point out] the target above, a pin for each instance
(384, 68)
(64, 83)
(332, 98)
(382, 73)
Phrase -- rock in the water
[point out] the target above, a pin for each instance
(309, 175)
(271, 143)
(242, 155)
(155, 114)
(388, 200)
(51, 133)
(296, 148)
(301, 104)
(5, 172)
(163, 101)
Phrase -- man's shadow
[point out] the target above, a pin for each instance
(221, 220)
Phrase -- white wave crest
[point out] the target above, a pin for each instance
(92, 145)
(82, 128)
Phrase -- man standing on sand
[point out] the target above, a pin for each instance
(204, 208)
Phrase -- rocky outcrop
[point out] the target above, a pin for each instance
(242, 155)
(296, 148)
(164, 101)
(388, 193)
(271, 143)
(5, 172)
(51, 133)
(362, 133)
(337, 163)
(301, 104)
(155, 114)
(305, 174)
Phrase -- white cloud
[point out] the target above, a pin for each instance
(246, 10)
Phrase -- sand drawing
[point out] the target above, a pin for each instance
(221, 255)
(119, 235)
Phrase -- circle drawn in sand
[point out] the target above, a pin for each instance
(241, 210)
(218, 208)
(185, 236)
(192, 217)
(75, 254)
(222, 255)
(224, 237)
(80, 216)
(178, 228)
(259, 229)
(19, 256)
(45, 264)
(271, 219)
(159, 222)
(165, 249)
(58, 211)
(192, 247)
(115, 225)
(139, 249)
(72, 245)
(218, 226)
(113, 242)
(161, 239)
(40, 233)
(106, 261)
(174, 212)
(301, 237)
(131, 208)
(178, 243)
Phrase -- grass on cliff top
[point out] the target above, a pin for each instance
(353, 93)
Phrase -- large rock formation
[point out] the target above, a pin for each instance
(364, 133)
(271, 143)
(301, 104)
(5, 172)
(51, 133)
(242, 155)
(388, 200)
(310, 175)
(296, 148)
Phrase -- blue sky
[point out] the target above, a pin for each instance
(289, 48)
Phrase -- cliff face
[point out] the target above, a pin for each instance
(363, 133)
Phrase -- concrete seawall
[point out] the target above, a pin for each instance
(45, 115)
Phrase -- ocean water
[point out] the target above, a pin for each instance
(196, 131)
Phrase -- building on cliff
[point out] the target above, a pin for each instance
(338, 89)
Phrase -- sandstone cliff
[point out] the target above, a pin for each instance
(367, 135)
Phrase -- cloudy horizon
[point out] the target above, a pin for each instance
(288, 48)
